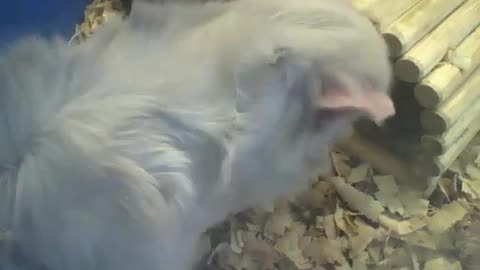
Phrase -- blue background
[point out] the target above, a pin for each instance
(44, 17)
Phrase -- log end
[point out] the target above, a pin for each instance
(432, 122)
(426, 167)
(429, 167)
(438, 168)
(394, 44)
(407, 70)
(432, 145)
(427, 96)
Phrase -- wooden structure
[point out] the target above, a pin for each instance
(435, 50)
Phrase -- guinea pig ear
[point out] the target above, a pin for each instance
(346, 93)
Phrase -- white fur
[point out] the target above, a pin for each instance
(126, 148)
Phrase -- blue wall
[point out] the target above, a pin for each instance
(45, 17)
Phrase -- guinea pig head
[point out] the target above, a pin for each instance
(335, 43)
(346, 54)
(327, 67)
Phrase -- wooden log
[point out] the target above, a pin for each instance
(385, 12)
(437, 145)
(438, 121)
(436, 87)
(427, 53)
(443, 162)
(414, 24)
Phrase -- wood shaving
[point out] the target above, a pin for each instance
(359, 174)
(442, 264)
(413, 203)
(340, 164)
(388, 193)
(365, 235)
(278, 223)
(357, 200)
(375, 237)
(446, 217)
(96, 14)
(322, 251)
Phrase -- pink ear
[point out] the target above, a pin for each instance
(377, 104)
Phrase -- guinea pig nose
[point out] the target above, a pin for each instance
(378, 105)
(347, 93)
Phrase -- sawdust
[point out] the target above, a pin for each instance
(362, 231)
(96, 14)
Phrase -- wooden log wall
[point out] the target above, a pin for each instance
(435, 48)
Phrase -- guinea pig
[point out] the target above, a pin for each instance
(121, 151)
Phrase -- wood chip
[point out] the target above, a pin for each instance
(289, 246)
(340, 164)
(442, 263)
(342, 224)
(413, 203)
(421, 238)
(357, 200)
(322, 251)
(366, 234)
(473, 171)
(359, 174)
(387, 193)
(446, 217)
(328, 225)
(405, 226)
(278, 222)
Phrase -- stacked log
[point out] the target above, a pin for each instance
(435, 46)
(439, 85)
(416, 23)
(430, 50)
(385, 12)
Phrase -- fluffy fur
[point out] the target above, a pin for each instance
(121, 151)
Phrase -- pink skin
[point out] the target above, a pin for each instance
(375, 103)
